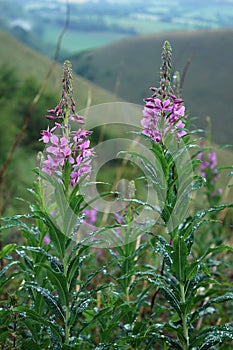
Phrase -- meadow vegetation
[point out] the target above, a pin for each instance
(71, 279)
(156, 272)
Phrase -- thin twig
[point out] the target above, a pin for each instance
(36, 98)
(185, 70)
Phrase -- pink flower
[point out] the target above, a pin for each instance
(180, 125)
(164, 112)
(213, 160)
(169, 112)
(90, 216)
(68, 148)
(211, 163)
(60, 149)
(46, 134)
(78, 172)
(208, 168)
(49, 166)
(46, 239)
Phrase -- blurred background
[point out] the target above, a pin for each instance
(115, 49)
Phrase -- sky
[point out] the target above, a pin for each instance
(82, 1)
(76, 1)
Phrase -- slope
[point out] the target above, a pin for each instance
(131, 66)
(17, 91)
(29, 63)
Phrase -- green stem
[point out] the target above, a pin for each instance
(67, 327)
(184, 320)
(67, 316)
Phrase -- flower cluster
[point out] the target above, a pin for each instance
(208, 169)
(160, 116)
(163, 112)
(65, 109)
(64, 146)
(76, 150)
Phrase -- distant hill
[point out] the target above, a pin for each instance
(131, 66)
(29, 63)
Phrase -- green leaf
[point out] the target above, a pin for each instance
(162, 247)
(54, 261)
(4, 315)
(74, 267)
(217, 249)
(57, 237)
(3, 336)
(7, 250)
(75, 203)
(192, 269)
(225, 167)
(171, 298)
(225, 146)
(213, 336)
(59, 282)
(60, 198)
(3, 282)
(106, 311)
(15, 221)
(221, 299)
(50, 299)
(179, 258)
(197, 184)
(6, 268)
(216, 208)
(40, 304)
(29, 345)
(162, 340)
(78, 308)
(38, 318)
(30, 237)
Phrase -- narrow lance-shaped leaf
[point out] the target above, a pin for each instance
(179, 258)
(171, 298)
(212, 336)
(50, 299)
(59, 282)
(7, 250)
(57, 236)
(38, 318)
(221, 299)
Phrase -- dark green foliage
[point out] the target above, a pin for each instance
(16, 97)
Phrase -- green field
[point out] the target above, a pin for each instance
(157, 19)
(95, 24)
(80, 41)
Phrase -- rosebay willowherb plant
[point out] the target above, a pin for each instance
(213, 193)
(152, 292)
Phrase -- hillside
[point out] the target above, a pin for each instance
(22, 71)
(28, 63)
(131, 66)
